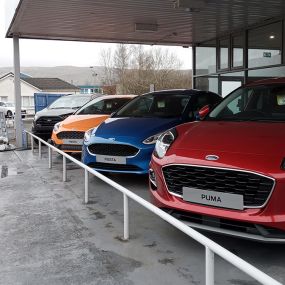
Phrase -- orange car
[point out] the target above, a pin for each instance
(68, 135)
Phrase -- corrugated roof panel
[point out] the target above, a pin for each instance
(114, 21)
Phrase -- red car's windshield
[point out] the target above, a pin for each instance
(257, 103)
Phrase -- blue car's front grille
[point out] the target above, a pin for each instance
(118, 167)
(113, 149)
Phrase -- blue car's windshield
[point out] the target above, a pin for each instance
(165, 105)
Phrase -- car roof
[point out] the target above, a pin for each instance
(182, 91)
(117, 96)
(103, 97)
(79, 95)
(267, 81)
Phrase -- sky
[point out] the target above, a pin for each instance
(59, 53)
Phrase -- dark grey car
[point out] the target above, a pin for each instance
(57, 111)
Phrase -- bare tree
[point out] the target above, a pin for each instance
(107, 62)
(135, 68)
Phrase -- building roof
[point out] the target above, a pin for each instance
(50, 83)
(22, 75)
(179, 22)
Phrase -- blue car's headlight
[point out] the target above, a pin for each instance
(164, 142)
(88, 134)
(152, 139)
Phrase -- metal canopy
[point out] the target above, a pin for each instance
(138, 21)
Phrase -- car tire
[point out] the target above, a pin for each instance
(9, 114)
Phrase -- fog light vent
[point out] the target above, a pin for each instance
(152, 179)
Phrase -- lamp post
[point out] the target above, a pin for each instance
(94, 74)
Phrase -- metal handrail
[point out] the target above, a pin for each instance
(211, 247)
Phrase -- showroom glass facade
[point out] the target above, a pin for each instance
(223, 64)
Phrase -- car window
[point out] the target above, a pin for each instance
(69, 102)
(162, 105)
(199, 101)
(104, 106)
(253, 103)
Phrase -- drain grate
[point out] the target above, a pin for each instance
(5, 171)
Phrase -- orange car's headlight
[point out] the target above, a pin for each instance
(88, 134)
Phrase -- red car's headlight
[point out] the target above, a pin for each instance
(164, 142)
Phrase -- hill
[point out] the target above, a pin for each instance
(72, 74)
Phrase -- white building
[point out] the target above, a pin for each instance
(31, 85)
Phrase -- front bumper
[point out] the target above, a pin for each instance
(263, 224)
(69, 148)
(42, 132)
(138, 164)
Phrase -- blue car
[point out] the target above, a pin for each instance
(124, 142)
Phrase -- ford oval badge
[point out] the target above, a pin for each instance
(212, 157)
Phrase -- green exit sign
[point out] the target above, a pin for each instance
(266, 54)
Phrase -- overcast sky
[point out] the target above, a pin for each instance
(58, 53)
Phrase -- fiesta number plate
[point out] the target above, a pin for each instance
(73, 141)
(111, 159)
(213, 198)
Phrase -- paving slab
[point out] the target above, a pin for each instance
(49, 236)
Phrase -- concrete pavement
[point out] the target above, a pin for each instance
(49, 236)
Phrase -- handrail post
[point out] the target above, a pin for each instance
(86, 193)
(210, 274)
(64, 176)
(40, 149)
(32, 143)
(27, 140)
(49, 158)
(126, 217)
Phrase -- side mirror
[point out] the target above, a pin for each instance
(204, 111)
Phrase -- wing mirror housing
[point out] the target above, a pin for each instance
(204, 111)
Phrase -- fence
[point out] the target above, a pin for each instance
(211, 247)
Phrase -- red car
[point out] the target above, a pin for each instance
(226, 173)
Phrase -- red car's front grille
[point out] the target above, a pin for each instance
(255, 188)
